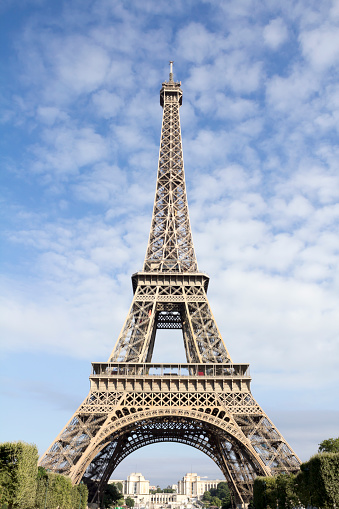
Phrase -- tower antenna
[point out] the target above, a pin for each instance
(171, 70)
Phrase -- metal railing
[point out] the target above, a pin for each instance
(127, 369)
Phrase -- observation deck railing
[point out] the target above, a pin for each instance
(148, 369)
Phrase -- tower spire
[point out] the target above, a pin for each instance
(170, 246)
(171, 71)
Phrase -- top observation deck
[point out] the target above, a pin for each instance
(171, 91)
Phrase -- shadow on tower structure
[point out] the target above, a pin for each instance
(206, 402)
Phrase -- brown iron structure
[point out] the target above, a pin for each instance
(205, 403)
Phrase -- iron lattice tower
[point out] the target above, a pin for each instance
(207, 402)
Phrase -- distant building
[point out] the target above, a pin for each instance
(136, 484)
(194, 486)
(190, 487)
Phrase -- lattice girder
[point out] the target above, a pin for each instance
(191, 432)
(188, 303)
(126, 396)
(170, 246)
(178, 419)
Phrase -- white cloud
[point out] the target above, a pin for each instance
(314, 182)
(51, 114)
(67, 149)
(102, 185)
(107, 104)
(79, 64)
(321, 46)
(196, 44)
(81, 275)
(260, 302)
(334, 12)
(233, 70)
(289, 93)
(275, 33)
(235, 108)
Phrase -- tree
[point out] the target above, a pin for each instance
(216, 501)
(213, 492)
(119, 486)
(207, 497)
(24, 485)
(286, 490)
(329, 445)
(318, 481)
(264, 492)
(18, 474)
(79, 496)
(219, 496)
(111, 495)
(224, 494)
(129, 502)
(56, 491)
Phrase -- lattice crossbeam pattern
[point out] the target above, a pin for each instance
(168, 307)
(212, 410)
(170, 246)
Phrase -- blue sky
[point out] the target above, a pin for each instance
(80, 131)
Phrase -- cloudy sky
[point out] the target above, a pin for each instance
(81, 121)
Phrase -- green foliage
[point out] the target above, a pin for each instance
(318, 481)
(226, 503)
(42, 472)
(224, 494)
(119, 486)
(216, 501)
(275, 491)
(317, 484)
(129, 502)
(259, 492)
(264, 492)
(223, 490)
(79, 496)
(329, 445)
(112, 495)
(219, 496)
(56, 491)
(24, 485)
(42, 487)
(207, 497)
(286, 491)
(18, 474)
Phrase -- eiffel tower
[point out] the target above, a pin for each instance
(206, 402)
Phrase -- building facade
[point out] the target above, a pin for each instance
(194, 486)
(190, 488)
